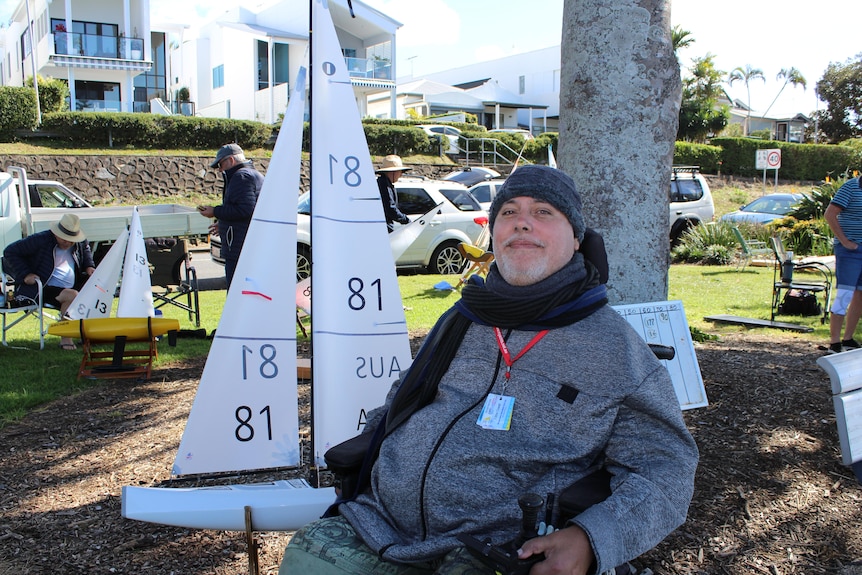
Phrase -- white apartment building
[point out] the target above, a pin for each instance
(237, 66)
(240, 65)
(104, 50)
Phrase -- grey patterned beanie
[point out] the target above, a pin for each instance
(542, 183)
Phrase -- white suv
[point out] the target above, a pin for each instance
(458, 217)
(690, 201)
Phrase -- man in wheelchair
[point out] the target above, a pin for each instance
(528, 385)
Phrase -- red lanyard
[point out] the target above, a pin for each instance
(504, 349)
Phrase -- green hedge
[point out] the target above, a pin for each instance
(153, 131)
(707, 157)
(810, 162)
(17, 111)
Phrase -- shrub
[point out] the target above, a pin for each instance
(17, 111)
(710, 244)
(52, 93)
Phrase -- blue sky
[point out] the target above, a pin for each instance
(766, 34)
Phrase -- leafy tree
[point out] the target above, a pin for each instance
(841, 89)
(790, 76)
(699, 114)
(746, 74)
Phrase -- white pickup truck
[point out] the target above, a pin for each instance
(30, 206)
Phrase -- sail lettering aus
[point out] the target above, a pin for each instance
(376, 367)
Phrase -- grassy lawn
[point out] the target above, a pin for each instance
(32, 377)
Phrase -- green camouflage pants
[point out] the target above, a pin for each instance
(331, 547)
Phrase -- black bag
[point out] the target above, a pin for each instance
(800, 302)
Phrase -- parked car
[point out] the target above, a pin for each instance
(690, 201)
(471, 175)
(484, 192)
(764, 209)
(451, 132)
(458, 218)
(527, 134)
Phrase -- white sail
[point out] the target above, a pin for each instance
(96, 298)
(245, 413)
(136, 291)
(358, 327)
(403, 237)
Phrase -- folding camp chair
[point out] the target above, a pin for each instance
(174, 279)
(478, 261)
(790, 275)
(11, 306)
(750, 249)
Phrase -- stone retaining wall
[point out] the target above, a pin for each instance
(106, 180)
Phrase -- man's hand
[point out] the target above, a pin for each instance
(213, 229)
(90, 271)
(30, 279)
(207, 211)
(567, 551)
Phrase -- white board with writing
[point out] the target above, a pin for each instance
(664, 323)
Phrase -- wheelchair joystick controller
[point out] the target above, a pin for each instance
(530, 504)
(504, 558)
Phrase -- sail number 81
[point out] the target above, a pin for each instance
(357, 300)
(268, 369)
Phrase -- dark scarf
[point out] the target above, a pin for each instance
(569, 294)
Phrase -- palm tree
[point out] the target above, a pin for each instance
(790, 76)
(746, 74)
(680, 38)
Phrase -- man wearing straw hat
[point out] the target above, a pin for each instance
(387, 175)
(59, 257)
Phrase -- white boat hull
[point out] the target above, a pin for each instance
(275, 506)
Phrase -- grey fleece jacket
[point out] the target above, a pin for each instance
(441, 474)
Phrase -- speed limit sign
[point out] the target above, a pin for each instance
(768, 159)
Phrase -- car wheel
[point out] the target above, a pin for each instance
(678, 230)
(447, 259)
(303, 261)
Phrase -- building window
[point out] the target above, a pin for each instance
(262, 65)
(218, 76)
(151, 84)
(97, 96)
(280, 64)
(522, 84)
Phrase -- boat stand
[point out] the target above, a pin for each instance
(253, 544)
(119, 362)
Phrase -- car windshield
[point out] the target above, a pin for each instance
(304, 206)
(770, 205)
(462, 199)
(470, 177)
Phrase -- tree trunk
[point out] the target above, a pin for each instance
(619, 110)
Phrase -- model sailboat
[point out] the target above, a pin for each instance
(245, 412)
(90, 311)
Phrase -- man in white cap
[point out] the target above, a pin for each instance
(387, 175)
(242, 184)
(60, 258)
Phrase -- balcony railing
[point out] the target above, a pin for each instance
(95, 46)
(87, 105)
(365, 68)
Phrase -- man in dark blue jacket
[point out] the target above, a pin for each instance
(60, 258)
(242, 184)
